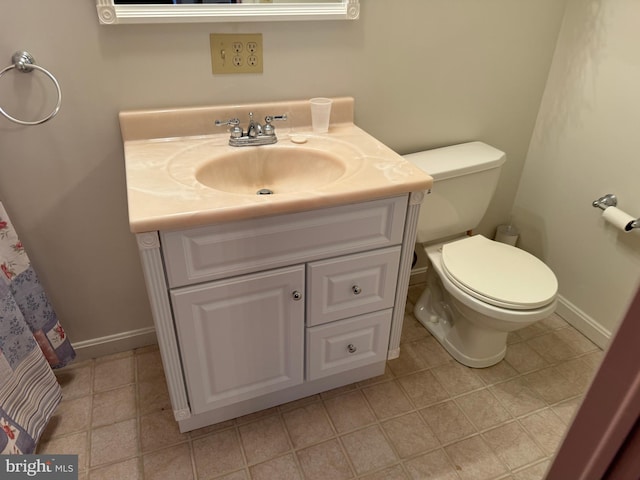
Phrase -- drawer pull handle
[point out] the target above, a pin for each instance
(351, 348)
(356, 290)
(296, 295)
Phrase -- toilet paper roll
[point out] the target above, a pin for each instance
(507, 234)
(618, 218)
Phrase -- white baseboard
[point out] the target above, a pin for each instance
(567, 310)
(120, 342)
(583, 323)
(418, 275)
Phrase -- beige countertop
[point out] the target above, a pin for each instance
(164, 149)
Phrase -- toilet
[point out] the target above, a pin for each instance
(477, 290)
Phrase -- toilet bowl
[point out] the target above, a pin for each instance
(477, 290)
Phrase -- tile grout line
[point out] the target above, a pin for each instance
(292, 450)
(140, 457)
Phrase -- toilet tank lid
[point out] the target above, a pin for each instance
(456, 160)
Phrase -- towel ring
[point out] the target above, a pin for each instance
(24, 62)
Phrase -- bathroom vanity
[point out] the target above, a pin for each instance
(259, 300)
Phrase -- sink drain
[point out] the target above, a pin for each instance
(264, 191)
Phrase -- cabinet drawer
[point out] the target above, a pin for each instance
(340, 346)
(228, 249)
(351, 285)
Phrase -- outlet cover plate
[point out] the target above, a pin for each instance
(236, 53)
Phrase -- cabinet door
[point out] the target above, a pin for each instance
(241, 338)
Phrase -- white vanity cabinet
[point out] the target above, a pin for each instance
(254, 313)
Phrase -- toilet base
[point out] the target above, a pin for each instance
(467, 342)
(440, 330)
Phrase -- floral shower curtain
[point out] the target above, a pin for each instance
(32, 341)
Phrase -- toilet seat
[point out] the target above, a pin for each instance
(498, 274)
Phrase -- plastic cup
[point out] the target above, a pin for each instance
(320, 113)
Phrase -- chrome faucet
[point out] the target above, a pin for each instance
(254, 128)
(256, 133)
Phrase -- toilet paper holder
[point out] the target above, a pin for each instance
(610, 200)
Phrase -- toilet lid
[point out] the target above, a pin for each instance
(499, 274)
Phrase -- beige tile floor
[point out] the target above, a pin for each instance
(426, 417)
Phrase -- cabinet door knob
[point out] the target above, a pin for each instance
(296, 295)
(356, 290)
(351, 348)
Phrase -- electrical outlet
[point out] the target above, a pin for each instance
(236, 53)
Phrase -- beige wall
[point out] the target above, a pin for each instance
(586, 144)
(424, 74)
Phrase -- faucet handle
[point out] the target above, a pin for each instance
(269, 129)
(270, 118)
(222, 123)
(234, 123)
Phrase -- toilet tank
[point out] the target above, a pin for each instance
(465, 177)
